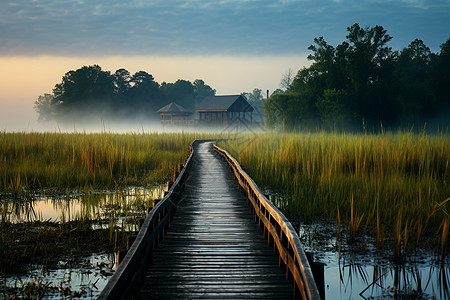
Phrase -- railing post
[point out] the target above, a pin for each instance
(301, 275)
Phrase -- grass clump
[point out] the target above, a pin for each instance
(46, 243)
(62, 161)
(77, 164)
(390, 185)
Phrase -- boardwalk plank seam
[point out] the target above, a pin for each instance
(213, 247)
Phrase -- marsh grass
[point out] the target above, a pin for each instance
(390, 185)
(32, 162)
(87, 223)
(69, 165)
(46, 243)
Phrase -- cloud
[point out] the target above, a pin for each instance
(136, 27)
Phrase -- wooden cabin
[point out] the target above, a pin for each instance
(174, 114)
(224, 110)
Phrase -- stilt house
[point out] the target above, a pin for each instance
(224, 110)
(174, 114)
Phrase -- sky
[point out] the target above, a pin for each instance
(233, 45)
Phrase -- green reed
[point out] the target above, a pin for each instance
(62, 161)
(388, 185)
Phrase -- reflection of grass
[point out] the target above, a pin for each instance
(46, 243)
(387, 184)
(102, 222)
(32, 161)
(77, 164)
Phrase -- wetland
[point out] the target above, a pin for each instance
(373, 209)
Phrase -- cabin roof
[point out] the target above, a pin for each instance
(233, 103)
(173, 108)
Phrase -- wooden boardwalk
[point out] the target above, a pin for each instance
(213, 248)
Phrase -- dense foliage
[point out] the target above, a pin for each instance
(90, 91)
(363, 83)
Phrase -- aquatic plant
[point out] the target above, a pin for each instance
(369, 178)
(31, 162)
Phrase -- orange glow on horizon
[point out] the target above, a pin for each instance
(227, 74)
(23, 79)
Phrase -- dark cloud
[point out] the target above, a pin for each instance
(113, 27)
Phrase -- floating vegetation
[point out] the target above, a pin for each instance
(81, 278)
(53, 235)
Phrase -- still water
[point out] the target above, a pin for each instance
(92, 205)
(82, 277)
(367, 273)
(361, 271)
(357, 271)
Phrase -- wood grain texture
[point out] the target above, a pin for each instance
(213, 248)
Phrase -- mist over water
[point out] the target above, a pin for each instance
(18, 124)
(28, 122)
(24, 79)
(20, 117)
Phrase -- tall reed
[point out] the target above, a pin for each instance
(370, 178)
(34, 161)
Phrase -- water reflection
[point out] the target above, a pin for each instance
(393, 281)
(84, 206)
(361, 271)
(85, 277)
(367, 273)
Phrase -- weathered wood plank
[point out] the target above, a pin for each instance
(213, 247)
(279, 231)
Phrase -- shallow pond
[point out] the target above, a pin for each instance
(357, 271)
(93, 205)
(81, 277)
(84, 278)
(360, 271)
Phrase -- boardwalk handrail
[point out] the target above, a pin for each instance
(279, 232)
(128, 278)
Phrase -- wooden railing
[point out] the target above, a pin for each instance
(278, 231)
(128, 278)
(178, 122)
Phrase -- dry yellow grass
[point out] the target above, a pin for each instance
(378, 182)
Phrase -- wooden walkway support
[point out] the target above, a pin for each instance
(212, 248)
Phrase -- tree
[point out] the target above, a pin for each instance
(359, 72)
(143, 79)
(255, 96)
(202, 91)
(45, 106)
(181, 92)
(370, 66)
(122, 82)
(277, 91)
(333, 110)
(88, 87)
(89, 90)
(440, 77)
(289, 111)
(414, 95)
(145, 95)
(286, 79)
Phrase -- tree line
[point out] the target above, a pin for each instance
(363, 83)
(90, 91)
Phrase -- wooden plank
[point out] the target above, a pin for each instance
(279, 230)
(213, 247)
